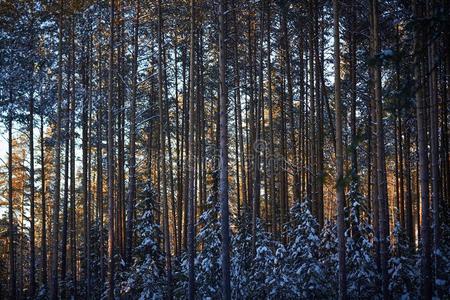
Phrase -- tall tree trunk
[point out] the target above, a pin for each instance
(32, 194)
(272, 190)
(339, 156)
(408, 197)
(312, 111)
(85, 145)
(318, 124)
(11, 235)
(250, 111)
(256, 144)
(57, 196)
(110, 157)
(302, 123)
(100, 184)
(162, 133)
(426, 264)
(89, 156)
(434, 136)
(20, 287)
(381, 161)
(373, 185)
(120, 185)
(43, 206)
(179, 207)
(237, 111)
(191, 161)
(65, 204)
(223, 154)
(72, 214)
(169, 148)
(132, 164)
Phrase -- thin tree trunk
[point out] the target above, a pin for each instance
(32, 194)
(257, 146)
(223, 154)
(373, 151)
(11, 235)
(426, 264)
(100, 188)
(319, 122)
(72, 216)
(43, 207)
(408, 199)
(169, 148)
(273, 214)
(400, 138)
(65, 204)
(132, 164)
(311, 132)
(21, 226)
(110, 157)
(381, 161)
(179, 154)
(162, 133)
(237, 99)
(290, 98)
(84, 118)
(339, 156)
(434, 136)
(57, 196)
(119, 208)
(191, 161)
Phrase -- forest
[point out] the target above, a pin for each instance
(224, 149)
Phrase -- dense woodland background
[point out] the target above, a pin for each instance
(224, 149)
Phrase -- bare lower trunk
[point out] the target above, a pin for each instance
(339, 157)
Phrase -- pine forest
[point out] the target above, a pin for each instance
(224, 149)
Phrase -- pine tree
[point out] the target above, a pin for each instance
(241, 259)
(403, 272)
(361, 271)
(264, 280)
(146, 278)
(302, 265)
(207, 260)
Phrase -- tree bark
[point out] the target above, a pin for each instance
(191, 160)
(72, 214)
(426, 264)
(57, 196)
(110, 157)
(381, 161)
(11, 235)
(132, 164)
(408, 197)
(223, 154)
(434, 136)
(162, 133)
(339, 156)
(65, 204)
(43, 206)
(32, 192)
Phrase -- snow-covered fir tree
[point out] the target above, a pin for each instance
(96, 258)
(442, 281)
(328, 255)
(207, 260)
(404, 279)
(302, 266)
(361, 270)
(267, 280)
(146, 277)
(242, 257)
